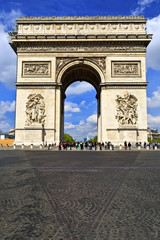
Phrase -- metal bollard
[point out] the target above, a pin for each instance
(110, 147)
(147, 147)
(40, 146)
(139, 147)
(22, 146)
(155, 148)
(14, 146)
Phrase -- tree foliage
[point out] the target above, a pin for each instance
(68, 138)
(93, 140)
(154, 140)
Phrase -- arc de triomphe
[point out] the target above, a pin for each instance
(53, 52)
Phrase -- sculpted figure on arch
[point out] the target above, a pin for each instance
(35, 109)
(127, 109)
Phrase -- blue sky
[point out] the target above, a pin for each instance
(80, 104)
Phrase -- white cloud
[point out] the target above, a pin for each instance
(4, 126)
(92, 118)
(154, 101)
(6, 107)
(7, 19)
(7, 56)
(153, 121)
(83, 129)
(71, 107)
(142, 5)
(153, 50)
(82, 103)
(79, 88)
(68, 125)
(82, 122)
(68, 115)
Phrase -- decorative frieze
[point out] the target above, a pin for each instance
(35, 110)
(83, 47)
(36, 69)
(126, 69)
(127, 109)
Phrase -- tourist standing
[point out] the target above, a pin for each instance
(125, 145)
(95, 145)
(59, 145)
(129, 146)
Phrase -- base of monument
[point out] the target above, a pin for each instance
(35, 135)
(125, 133)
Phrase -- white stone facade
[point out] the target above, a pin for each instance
(108, 52)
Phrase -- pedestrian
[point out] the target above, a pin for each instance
(90, 146)
(129, 146)
(100, 146)
(95, 145)
(70, 145)
(49, 147)
(81, 145)
(125, 145)
(105, 145)
(59, 146)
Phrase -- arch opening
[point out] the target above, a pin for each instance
(81, 73)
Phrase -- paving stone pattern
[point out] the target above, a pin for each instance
(79, 195)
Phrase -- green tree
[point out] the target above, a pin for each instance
(95, 139)
(68, 138)
(154, 140)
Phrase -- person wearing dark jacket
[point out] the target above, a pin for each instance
(129, 146)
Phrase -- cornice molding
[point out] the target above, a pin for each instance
(37, 85)
(123, 85)
(104, 37)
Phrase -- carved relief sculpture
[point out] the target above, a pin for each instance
(126, 69)
(101, 61)
(62, 61)
(127, 109)
(35, 110)
(36, 69)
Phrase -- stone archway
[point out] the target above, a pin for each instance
(109, 52)
(80, 70)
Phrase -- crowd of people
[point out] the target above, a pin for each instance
(85, 145)
(142, 145)
(103, 146)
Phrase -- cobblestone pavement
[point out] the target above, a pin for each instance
(79, 195)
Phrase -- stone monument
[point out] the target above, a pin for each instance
(53, 52)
